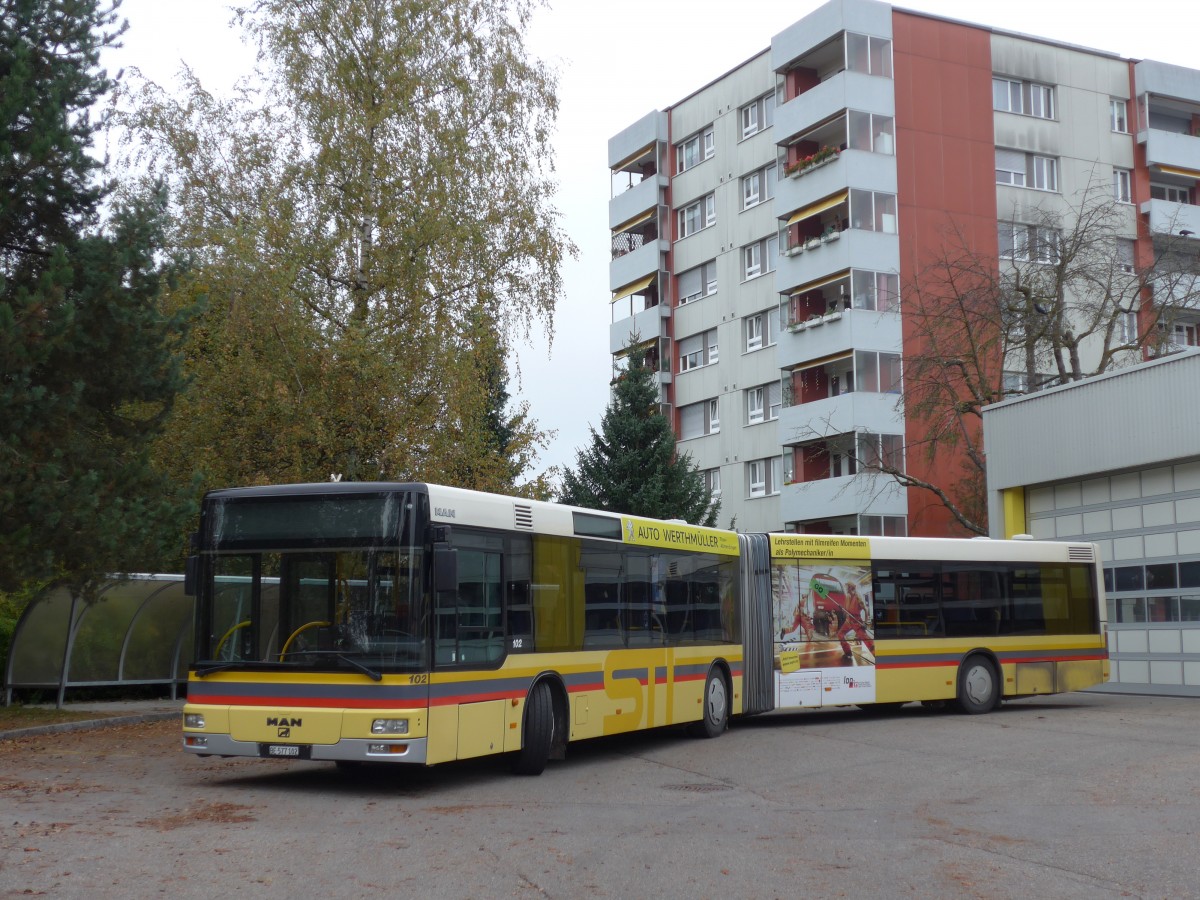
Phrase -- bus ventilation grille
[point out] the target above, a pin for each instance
(523, 515)
(1080, 554)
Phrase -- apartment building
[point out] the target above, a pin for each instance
(765, 229)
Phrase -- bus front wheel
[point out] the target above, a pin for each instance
(978, 686)
(537, 736)
(716, 703)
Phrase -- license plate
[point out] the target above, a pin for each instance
(283, 750)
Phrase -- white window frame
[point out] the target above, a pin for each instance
(1171, 193)
(1118, 115)
(751, 190)
(752, 261)
(1012, 91)
(713, 356)
(1045, 173)
(754, 332)
(1006, 173)
(700, 145)
(749, 119)
(756, 478)
(714, 416)
(1041, 101)
(702, 212)
(774, 401)
(1122, 185)
(755, 405)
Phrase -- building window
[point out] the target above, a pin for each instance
(756, 116)
(878, 451)
(879, 291)
(698, 351)
(1024, 97)
(1121, 186)
(698, 419)
(878, 373)
(758, 187)
(1125, 259)
(869, 55)
(763, 403)
(871, 132)
(754, 332)
(698, 215)
(712, 482)
(697, 283)
(1026, 170)
(759, 258)
(1170, 192)
(1045, 173)
(1028, 243)
(699, 147)
(764, 476)
(1129, 328)
(1117, 116)
(873, 211)
(761, 330)
(754, 404)
(1010, 167)
(883, 526)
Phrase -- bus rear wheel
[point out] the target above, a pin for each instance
(716, 704)
(537, 736)
(978, 686)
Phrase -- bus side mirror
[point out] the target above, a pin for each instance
(445, 569)
(190, 569)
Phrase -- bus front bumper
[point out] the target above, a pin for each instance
(381, 750)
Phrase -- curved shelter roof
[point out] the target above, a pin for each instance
(137, 631)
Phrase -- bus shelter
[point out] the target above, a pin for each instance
(138, 631)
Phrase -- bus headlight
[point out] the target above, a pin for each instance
(193, 720)
(389, 726)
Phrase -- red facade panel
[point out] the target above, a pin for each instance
(945, 160)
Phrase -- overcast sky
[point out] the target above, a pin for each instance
(617, 61)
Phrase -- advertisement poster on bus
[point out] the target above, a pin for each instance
(824, 638)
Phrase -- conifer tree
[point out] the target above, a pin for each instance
(631, 466)
(88, 365)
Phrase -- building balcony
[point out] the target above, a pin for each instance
(638, 199)
(843, 414)
(851, 168)
(827, 498)
(1165, 80)
(854, 247)
(1170, 218)
(632, 142)
(1171, 150)
(845, 90)
(837, 331)
(629, 267)
(644, 324)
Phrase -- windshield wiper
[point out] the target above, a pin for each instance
(201, 671)
(342, 658)
(362, 667)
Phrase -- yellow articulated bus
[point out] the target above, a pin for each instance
(412, 623)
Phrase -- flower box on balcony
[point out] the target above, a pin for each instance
(796, 326)
(831, 317)
(812, 243)
(830, 236)
(792, 251)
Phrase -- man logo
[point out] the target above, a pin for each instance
(283, 732)
(283, 722)
(629, 528)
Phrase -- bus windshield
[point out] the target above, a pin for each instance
(318, 608)
(352, 596)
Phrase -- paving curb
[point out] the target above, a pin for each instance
(86, 725)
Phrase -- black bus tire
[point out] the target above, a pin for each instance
(715, 717)
(978, 686)
(537, 734)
